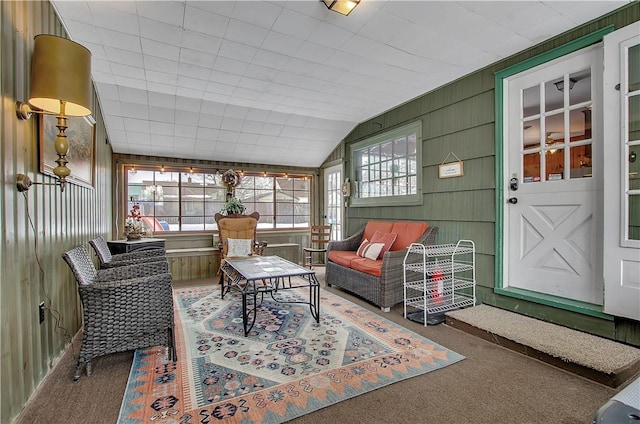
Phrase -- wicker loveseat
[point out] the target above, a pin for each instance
(379, 281)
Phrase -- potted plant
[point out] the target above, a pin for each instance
(233, 206)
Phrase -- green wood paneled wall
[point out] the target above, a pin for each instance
(459, 118)
(40, 224)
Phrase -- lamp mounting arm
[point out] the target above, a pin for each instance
(23, 183)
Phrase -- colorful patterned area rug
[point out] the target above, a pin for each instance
(288, 366)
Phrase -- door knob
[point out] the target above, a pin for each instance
(513, 200)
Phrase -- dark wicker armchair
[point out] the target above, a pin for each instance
(108, 260)
(124, 308)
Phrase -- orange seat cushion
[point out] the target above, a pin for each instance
(343, 257)
(367, 266)
(408, 232)
(373, 226)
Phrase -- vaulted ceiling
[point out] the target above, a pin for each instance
(283, 82)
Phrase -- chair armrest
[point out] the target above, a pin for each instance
(350, 243)
(137, 261)
(132, 271)
(138, 254)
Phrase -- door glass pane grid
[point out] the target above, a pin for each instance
(632, 142)
(564, 103)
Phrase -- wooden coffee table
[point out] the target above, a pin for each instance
(256, 276)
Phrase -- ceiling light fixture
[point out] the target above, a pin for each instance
(560, 84)
(61, 86)
(343, 7)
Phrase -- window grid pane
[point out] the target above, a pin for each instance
(388, 168)
(188, 201)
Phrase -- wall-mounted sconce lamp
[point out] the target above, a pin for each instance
(60, 85)
(343, 7)
(560, 84)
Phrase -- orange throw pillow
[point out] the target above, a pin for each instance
(386, 238)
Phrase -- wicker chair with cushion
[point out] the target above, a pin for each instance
(124, 308)
(238, 238)
(108, 260)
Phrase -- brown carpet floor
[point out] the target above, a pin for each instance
(493, 385)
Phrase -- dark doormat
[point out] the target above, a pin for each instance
(432, 319)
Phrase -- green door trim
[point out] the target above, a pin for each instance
(500, 76)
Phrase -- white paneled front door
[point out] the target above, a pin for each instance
(622, 172)
(553, 166)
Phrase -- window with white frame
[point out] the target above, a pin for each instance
(188, 201)
(386, 168)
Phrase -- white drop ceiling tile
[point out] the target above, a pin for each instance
(253, 84)
(120, 70)
(117, 137)
(113, 107)
(270, 60)
(124, 57)
(244, 33)
(200, 20)
(313, 52)
(97, 50)
(158, 49)
(161, 128)
(231, 124)
(196, 93)
(187, 118)
(212, 108)
(114, 122)
(105, 16)
(527, 17)
(329, 35)
(281, 43)
(135, 110)
(295, 120)
(201, 42)
(295, 24)
(183, 143)
(262, 14)
(161, 77)
(82, 33)
(207, 133)
(107, 91)
(161, 88)
(260, 72)
(260, 115)
(267, 140)
(162, 114)
(233, 111)
(583, 14)
(162, 99)
(73, 10)
(382, 27)
(197, 58)
(188, 131)
(230, 66)
(248, 138)
(100, 65)
(160, 141)
(169, 12)
(412, 37)
(192, 71)
(236, 51)
(244, 149)
(161, 32)
(254, 127)
(160, 64)
(546, 29)
(188, 104)
(486, 37)
(104, 77)
(227, 136)
(119, 40)
(136, 125)
(139, 138)
(360, 46)
(272, 129)
(507, 47)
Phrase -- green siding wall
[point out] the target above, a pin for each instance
(459, 118)
(61, 221)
